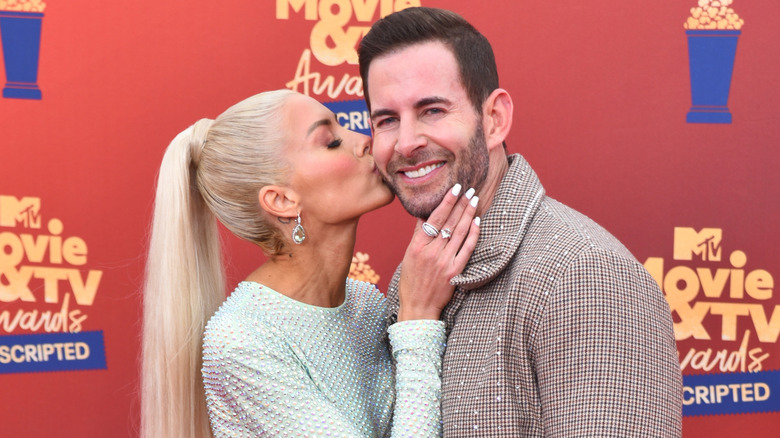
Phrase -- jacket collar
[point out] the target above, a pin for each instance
(504, 225)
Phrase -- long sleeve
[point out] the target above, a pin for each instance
(263, 389)
(260, 390)
(418, 347)
(275, 367)
(604, 351)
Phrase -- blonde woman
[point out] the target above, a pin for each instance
(297, 349)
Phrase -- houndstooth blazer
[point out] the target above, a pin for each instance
(555, 329)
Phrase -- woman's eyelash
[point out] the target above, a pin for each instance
(334, 144)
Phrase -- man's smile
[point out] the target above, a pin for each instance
(422, 171)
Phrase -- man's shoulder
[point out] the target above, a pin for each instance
(569, 229)
(559, 239)
(553, 219)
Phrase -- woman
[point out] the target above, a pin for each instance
(297, 348)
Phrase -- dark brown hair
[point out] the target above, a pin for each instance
(472, 51)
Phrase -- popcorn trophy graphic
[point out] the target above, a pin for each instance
(712, 29)
(20, 31)
(359, 269)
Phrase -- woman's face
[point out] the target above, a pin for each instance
(333, 171)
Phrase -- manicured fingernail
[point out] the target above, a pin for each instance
(476, 220)
(469, 193)
(474, 201)
(456, 190)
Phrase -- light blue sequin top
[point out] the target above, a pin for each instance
(273, 366)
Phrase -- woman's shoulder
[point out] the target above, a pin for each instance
(241, 315)
(243, 301)
(365, 294)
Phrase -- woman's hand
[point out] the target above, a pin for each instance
(429, 264)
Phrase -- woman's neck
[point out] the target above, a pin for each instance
(313, 272)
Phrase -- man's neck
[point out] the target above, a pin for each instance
(497, 169)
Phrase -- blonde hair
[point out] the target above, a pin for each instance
(213, 169)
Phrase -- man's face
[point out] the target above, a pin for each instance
(427, 134)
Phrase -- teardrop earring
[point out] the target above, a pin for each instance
(298, 233)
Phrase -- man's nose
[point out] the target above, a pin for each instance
(409, 138)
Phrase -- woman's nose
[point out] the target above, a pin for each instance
(363, 146)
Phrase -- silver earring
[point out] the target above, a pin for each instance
(298, 233)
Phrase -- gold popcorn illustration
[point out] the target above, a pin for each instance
(360, 270)
(714, 15)
(22, 5)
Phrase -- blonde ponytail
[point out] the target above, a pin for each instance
(213, 170)
(184, 286)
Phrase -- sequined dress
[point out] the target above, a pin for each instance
(273, 366)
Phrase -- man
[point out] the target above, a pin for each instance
(555, 329)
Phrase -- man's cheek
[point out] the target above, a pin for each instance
(382, 154)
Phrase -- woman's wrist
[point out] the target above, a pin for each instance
(415, 314)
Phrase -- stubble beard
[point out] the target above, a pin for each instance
(471, 170)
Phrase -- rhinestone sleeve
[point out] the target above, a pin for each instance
(265, 393)
(418, 347)
(276, 367)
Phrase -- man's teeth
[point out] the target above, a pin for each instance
(423, 170)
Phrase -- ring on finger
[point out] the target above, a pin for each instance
(430, 230)
(446, 233)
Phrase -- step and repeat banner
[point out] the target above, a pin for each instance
(660, 120)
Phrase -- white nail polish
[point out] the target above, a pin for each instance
(469, 193)
(474, 201)
(456, 190)
(476, 220)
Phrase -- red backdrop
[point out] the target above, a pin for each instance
(602, 92)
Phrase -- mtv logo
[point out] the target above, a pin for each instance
(705, 244)
(25, 211)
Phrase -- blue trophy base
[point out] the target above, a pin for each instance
(710, 115)
(23, 92)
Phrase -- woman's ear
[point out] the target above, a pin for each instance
(497, 117)
(279, 201)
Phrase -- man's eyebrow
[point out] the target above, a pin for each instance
(430, 101)
(425, 101)
(382, 112)
(317, 124)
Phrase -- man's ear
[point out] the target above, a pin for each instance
(279, 201)
(497, 117)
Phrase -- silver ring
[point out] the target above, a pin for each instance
(429, 229)
(446, 233)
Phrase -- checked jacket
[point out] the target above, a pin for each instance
(555, 329)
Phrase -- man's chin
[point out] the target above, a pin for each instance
(417, 207)
(417, 211)
(418, 204)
